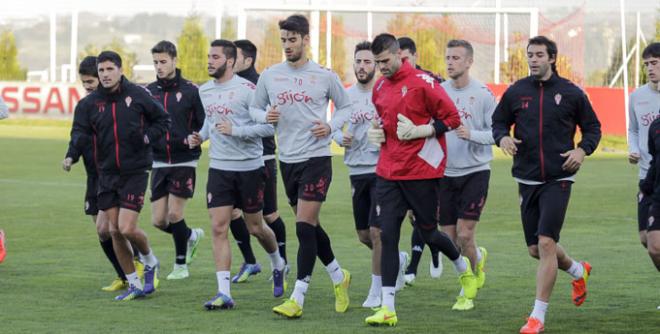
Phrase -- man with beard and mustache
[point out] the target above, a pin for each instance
(361, 157)
(244, 68)
(298, 92)
(545, 110)
(464, 188)
(173, 171)
(236, 167)
(123, 119)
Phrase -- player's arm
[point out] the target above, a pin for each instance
(485, 137)
(81, 132)
(342, 103)
(633, 135)
(503, 119)
(260, 102)
(442, 109)
(158, 120)
(589, 126)
(646, 187)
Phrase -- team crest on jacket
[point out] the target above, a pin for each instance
(178, 96)
(557, 98)
(651, 220)
(404, 90)
(128, 101)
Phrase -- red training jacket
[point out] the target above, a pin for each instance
(419, 97)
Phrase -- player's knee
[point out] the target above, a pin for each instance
(236, 213)
(464, 238)
(654, 250)
(546, 245)
(219, 230)
(254, 228)
(374, 234)
(533, 251)
(174, 216)
(127, 229)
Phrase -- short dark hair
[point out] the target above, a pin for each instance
(228, 48)
(88, 67)
(651, 50)
(407, 43)
(384, 42)
(364, 45)
(248, 49)
(550, 46)
(461, 43)
(295, 23)
(109, 56)
(165, 47)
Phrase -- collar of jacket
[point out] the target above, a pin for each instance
(554, 78)
(171, 83)
(404, 71)
(123, 86)
(248, 73)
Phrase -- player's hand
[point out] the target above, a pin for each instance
(407, 130)
(574, 159)
(194, 140)
(375, 134)
(509, 145)
(633, 158)
(66, 164)
(463, 132)
(224, 127)
(347, 139)
(321, 129)
(272, 115)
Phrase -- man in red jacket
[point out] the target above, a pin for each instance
(415, 113)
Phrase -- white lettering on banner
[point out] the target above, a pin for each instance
(41, 100)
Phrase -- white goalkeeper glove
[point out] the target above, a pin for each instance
(407, 130)
(375, 134)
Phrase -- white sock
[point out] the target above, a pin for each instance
(576, 270)
(460, 265)
(376, 285)
(193, 235)
(276, 260)
(539, 310)
(334, 270)
(150, 259)
(223, 282)
(134, 280)
(183, 266)
(299, 292)
(462, 293)
(478, 255)
(388, 297)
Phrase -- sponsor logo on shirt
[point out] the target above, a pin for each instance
(290, 97)
(648, 118)
(218, 109)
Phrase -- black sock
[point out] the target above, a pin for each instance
(389, 260)
(324, 250)
(280, 235)
(417, 244)
(168, 229)
(109, 251)
(440, 241)
(434, 257)
(180, 234)
(306, 251)
(242, 236)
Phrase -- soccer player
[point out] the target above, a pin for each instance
(415, 112)
(464, 188)
(408, 51)
(123, 119)
(296, 93)
(173, 170)
(545, 109)
(236, 168)
(361, 157)
(643, 108)
(90, 81)
(244, 68)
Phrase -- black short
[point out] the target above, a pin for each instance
(178, 181)
(91, 195)
(242, 190)
(643, 207)
(654, 218)
(308, 180)
(462, 197)
(270, 191)
(124, 191)
(543, 208)
(394, 198)
(363, 193)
